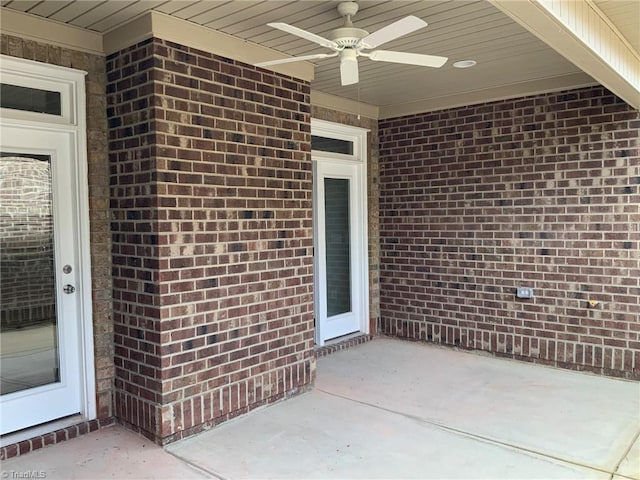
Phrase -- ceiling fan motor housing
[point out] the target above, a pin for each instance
(347, 37)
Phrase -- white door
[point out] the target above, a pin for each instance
(40, 282)
(341, 260)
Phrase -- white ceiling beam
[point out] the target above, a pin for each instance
(580, 32)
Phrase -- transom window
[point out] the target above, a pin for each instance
(333, 145)
(28, 99)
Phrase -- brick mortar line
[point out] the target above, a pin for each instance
(285, 307)
(217, 73)
(238, 384)
(230, 361)
(217, 128)
(226, 108)
(226, 297)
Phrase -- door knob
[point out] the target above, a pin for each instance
(68, 289)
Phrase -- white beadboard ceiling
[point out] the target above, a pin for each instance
(506, 53)
(625, 15)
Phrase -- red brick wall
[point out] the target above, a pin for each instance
(212, 237)
(542, 192)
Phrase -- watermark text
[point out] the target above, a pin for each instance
(21, 474)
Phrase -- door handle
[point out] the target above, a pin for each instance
(68, 289)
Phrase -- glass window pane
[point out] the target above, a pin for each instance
(324, 144)
(30, 99)
(338, 245)
(28, 325)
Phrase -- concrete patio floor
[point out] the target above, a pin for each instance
(391, 409)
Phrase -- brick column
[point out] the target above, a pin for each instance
(211, 198)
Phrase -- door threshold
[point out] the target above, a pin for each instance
(38, 430)
(341, 343)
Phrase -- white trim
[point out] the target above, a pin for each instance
(342, 104)
(166, 27)
(87, 350)
(492, 94)
(49, 31)
(75, 128)
(356, 163)
(146, 25)
(30, 74)
(357, 135)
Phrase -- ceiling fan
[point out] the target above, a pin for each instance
(349, 43)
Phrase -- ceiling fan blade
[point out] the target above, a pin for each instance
(408, 58)
(295, 59)
(348, 70)
(395, 30)
(325, 42)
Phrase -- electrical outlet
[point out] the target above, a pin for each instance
(524, 292)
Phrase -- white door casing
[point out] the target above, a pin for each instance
(349, 168)
(61, 138)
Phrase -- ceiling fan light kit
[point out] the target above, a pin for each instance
(349, 42)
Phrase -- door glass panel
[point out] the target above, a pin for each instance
(28, 328)
(338, 245)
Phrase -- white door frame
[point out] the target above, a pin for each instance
(70, 126)
(353, 167)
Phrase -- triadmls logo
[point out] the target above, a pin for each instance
(11, 474)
